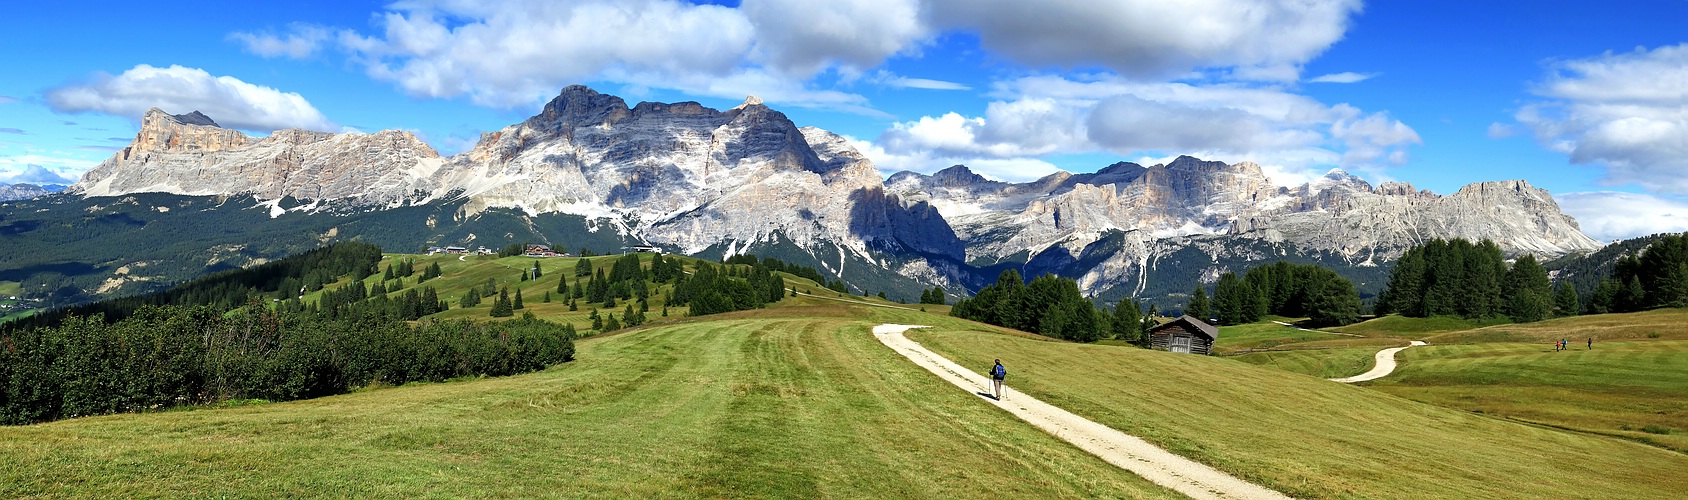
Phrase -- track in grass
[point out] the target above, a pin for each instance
(795, 402)
(1128, 452)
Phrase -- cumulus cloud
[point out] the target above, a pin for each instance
(802, 37)
(1253, 40)
(16, 165)
(1499, 130)
(301, 41)
(1343, 77)
(230, 101)
(1609, 216)
(1293, 136)
(505, 54)
(36, 174)
(1626, 112)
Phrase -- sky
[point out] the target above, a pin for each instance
(1588, 100)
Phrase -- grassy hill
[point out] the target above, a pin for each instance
(796, 401)
(1309, 437)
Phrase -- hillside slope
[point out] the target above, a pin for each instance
(772, 404)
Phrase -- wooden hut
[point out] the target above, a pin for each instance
(1185, 334)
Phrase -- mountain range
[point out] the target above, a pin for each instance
(714, 183)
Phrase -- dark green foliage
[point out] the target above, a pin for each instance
(162, 356)
(1287, 289)
(1566, 302)
(517, 302)
(583, 268)
(227, 290)
(471, 298)
(934, 296)
(1528, 294)
(512, 250)
(1470, 280)
(1050, 305)
(1197, 308)
(537, 272)
(502, 307)
(610, 323)
(1127, 322)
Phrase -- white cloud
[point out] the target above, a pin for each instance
(176, 89)
(1253, 40)
(1608, 216)
(1293, 137)
(507, 54)
(927, 162)
(1499, 130)
(301, 41)
(803, 37)
(889, 79)
(36, 174)
(1343, 77)
(1625, 112)
(15, 165)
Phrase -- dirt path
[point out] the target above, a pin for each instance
(857, 302)
(1128, 452)
(1384, 366)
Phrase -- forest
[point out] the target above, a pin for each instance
(1051, 306)
(1281, 288)
(1472, 280)
(193, 344)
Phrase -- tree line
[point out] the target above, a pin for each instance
(1472, 280)
(1655, 276)
(151, 355)
(1282, 288)
(1051, 306)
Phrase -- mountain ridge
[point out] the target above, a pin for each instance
(695, 179)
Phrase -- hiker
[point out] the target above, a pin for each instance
(997, 374)
(1564, 344)
(1591, 343)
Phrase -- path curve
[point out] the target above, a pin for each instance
(1385, 364)
(1128, 452)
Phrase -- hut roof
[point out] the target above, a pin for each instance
(1197, 325)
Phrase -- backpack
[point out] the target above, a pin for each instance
(999, 372)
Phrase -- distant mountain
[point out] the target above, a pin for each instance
(21, 191)
(713, 183)
(1109, 229)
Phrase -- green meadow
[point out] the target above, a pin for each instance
(788, 402)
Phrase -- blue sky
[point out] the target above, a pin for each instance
(1588, 100)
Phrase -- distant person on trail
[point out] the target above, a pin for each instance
(997, 374)
(1591, 343)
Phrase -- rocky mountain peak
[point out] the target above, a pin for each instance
(750, 101)
(161, 131)
(958, 176)
(579, 105)
(1188, 163)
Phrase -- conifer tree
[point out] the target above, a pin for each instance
(1565, 301)
(536, 271)
(517, 304)
(502, 308)
(1197, 308)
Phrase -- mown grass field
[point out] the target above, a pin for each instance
(791, 402)
(1412, 328)
(1637, 389)
(1308, 437)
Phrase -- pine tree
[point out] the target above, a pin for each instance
(610, 324)
(1127, 321)
(573, 306)
(502, 308)
(517, 305)
(1565, 301)
(547, 296)
(584, 267)
(1228, 299)
(536, 271)
(1197, 307)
